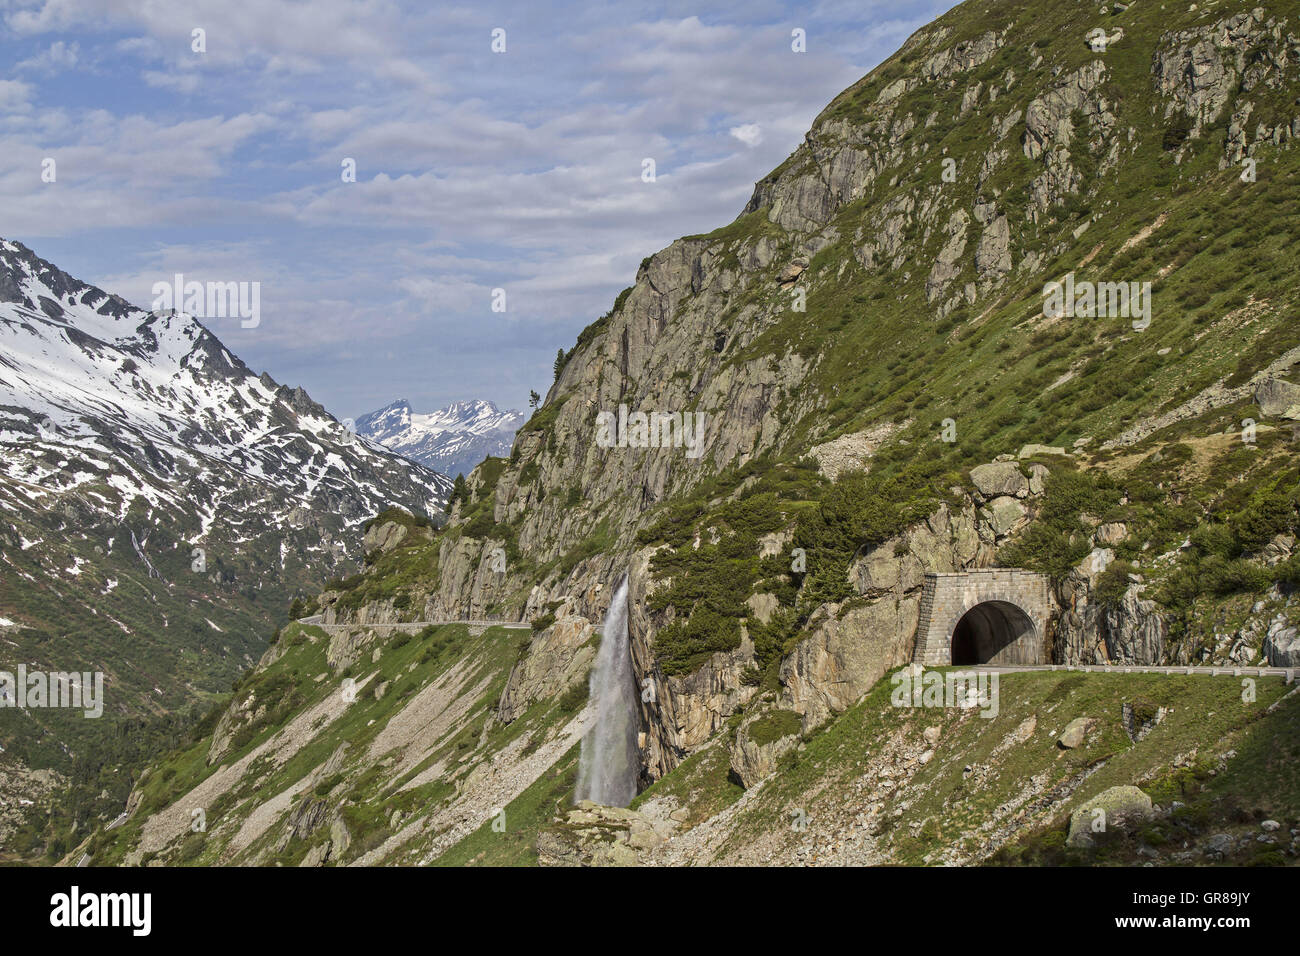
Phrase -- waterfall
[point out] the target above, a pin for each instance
(607, 766)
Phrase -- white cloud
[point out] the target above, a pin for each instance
(750, 134)
(57, 58)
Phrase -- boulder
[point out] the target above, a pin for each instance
(881, 570)
(1219, 845)
(849, 452)
(792, 272)
(762, 606)
(1037, 478)
(595, 835)
(317, 855)
(340, 837)
(1278, 399)
(1111, 533)
(1097, 561)
(1000, 479)
(1278, 550)
(1075, 733)
(384, 536)
(1282, 645)
(1123, 809)
(1029, 451)
(993, 254)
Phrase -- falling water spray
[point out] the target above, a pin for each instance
(607, 766)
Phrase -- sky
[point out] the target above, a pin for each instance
(221, 155)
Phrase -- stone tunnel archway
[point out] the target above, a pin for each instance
(994, 632)
(996, 616)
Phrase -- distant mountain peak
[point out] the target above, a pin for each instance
(452, 439)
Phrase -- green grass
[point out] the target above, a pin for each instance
(702, 783)
(1207, 715)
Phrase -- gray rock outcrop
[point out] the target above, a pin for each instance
(753, 759)
(558, 657)
(1282, 645)
(1278, 399)
(1000, 478)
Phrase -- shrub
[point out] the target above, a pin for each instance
(772, 726)
(1112, 584)
(1271, 514)
(1214, 540)
(681, 646)
(328, 784)
(1220, 576)
(1176, 133)
(1056, 542)
(1288, 572)
(575, 698)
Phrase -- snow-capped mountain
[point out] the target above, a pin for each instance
(96, 392)
(159, 502)
(451, 440)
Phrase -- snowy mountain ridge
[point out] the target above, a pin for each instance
(94, 391)
(451, 440)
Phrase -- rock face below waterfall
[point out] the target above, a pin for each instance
(555, 660)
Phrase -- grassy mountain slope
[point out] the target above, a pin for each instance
(410, 764)
(425, 775)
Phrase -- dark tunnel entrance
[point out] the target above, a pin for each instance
(994, 632)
